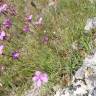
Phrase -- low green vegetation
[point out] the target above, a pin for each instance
(62, 25)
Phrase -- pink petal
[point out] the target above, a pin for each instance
(1, 49)
(4, 7)
(37, 73)
(17, 55)
(40, 20)
(30, 17)
(39, 83)
(44, 78)
(1, 38)
(34, 78)
(2, 33)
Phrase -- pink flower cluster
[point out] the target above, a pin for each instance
(28, 20)
(5, 8)
(7, 24)
(39, 77)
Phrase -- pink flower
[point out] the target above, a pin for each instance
(29, 18)
(1, 49)
(40, 78)
(2, 35)
(45, 39)
(3, 8)
(15, 55)
(39, 21)
(26, 28)
(7, 23)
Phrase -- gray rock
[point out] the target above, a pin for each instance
(90, 24)
(84, 83)
(80, 73)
